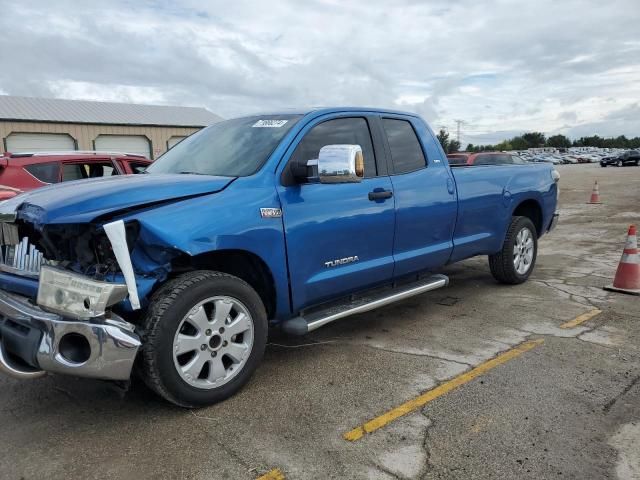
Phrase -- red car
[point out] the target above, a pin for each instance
(483, 158)
(20, 172)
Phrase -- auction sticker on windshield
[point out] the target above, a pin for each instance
(269, 123)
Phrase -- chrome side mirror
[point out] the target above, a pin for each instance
(340, 164)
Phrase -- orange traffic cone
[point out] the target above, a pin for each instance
(627, 279)
(595, 194)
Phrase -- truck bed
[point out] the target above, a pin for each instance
(487, 196)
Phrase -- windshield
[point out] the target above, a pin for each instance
(233, 148)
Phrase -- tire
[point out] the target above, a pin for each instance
(619, 163)
(603, 165)
(181, 369)
(637, 162)
(503, 264)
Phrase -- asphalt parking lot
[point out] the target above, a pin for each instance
(566, 405)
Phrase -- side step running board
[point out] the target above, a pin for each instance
(308, 322)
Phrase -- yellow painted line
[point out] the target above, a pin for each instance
(275, 474)
(412, 405)
(581, 318)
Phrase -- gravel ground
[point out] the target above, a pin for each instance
(569, 408)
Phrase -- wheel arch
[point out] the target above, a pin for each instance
(531, 209)
(243, 264)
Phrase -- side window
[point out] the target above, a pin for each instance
(45, 172)
(457, 160)
(485, 159)
(406, 152)
(341, 131)
(78, 171)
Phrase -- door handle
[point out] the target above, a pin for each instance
(380, 194)
(450, 187)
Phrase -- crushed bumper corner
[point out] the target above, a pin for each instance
(33, 341)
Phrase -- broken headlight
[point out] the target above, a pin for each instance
(73, 295)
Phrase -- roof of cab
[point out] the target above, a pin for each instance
(317, 111)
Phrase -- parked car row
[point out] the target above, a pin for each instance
(619, 159)
(21, 172)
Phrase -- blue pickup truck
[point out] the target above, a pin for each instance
(287, 220)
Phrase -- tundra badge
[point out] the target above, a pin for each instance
(341, 261)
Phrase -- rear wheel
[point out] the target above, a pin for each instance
(515, 262)
(205, 334)
(619, 163)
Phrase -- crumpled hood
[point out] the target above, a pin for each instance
(83, 201)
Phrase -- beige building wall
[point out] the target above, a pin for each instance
(85, 134)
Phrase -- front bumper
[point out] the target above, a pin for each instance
(33, 341)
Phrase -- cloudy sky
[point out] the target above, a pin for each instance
(499, 66)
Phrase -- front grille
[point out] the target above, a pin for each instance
(19, 257)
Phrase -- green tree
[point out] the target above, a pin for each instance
(454, 146)
(592, 141)
(470, 148)
(538, 139)
(534, 139)
(558, 141)
(504, 145)
(519, 143)
(443, 138)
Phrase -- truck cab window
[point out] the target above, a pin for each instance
(341, 131)
(406, 151)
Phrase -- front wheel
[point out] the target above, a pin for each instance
(619, 163)
(515, 262)
(205, 334)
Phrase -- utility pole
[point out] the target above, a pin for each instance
(458, 123)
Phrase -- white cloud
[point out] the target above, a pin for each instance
(107, 92)
(501, 66)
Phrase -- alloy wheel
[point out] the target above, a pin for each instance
(523, 251)
(213, 342)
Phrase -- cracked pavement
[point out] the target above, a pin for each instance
(569, 408)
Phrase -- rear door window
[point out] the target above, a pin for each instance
(45, 172)
(406, 151)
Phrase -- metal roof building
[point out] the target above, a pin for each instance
(47, 124)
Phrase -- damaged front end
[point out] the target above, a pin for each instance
(64, 289)
(76, 267)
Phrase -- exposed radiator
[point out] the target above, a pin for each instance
(23, 258)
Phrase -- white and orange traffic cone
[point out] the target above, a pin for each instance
(595, 194)
(627, 279)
